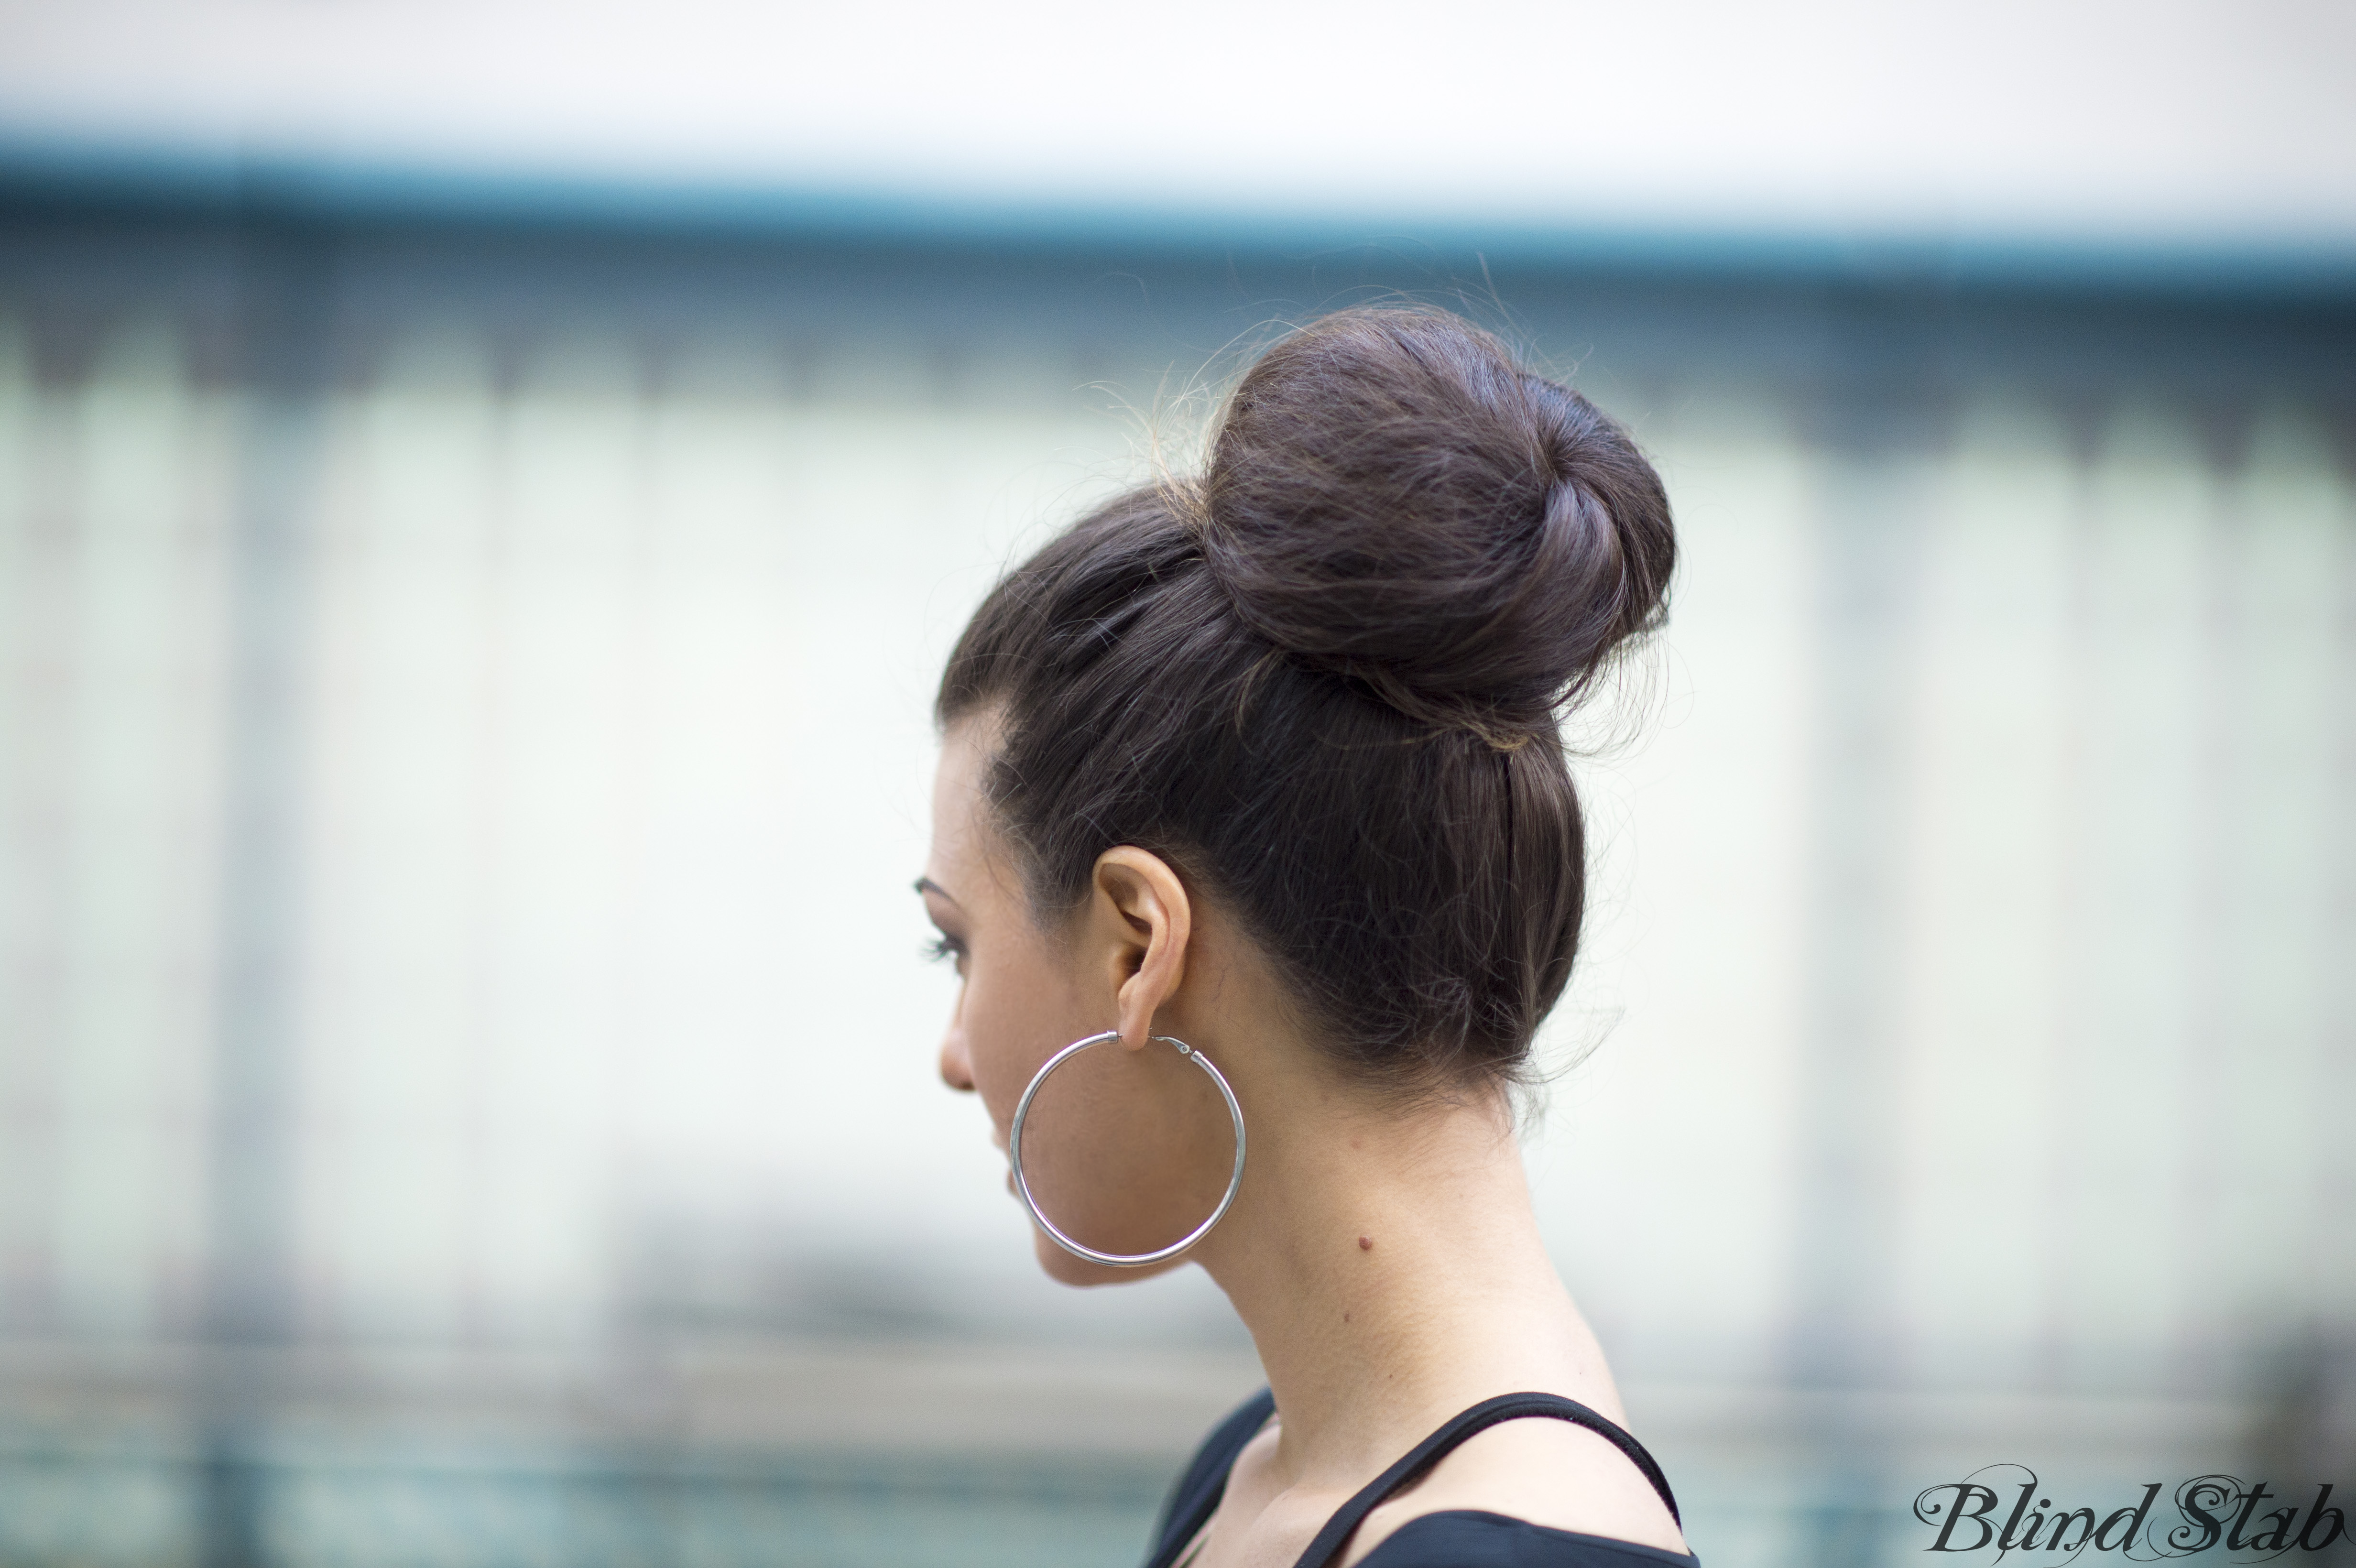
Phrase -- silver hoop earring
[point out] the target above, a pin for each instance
(1122, 1260)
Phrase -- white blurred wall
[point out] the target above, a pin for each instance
(2191, 124)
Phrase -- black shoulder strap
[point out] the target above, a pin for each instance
(1485, 1415)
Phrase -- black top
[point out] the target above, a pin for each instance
(1458, 1538)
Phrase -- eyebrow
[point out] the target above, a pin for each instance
(926, 885)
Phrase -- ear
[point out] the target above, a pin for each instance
(1141, 909)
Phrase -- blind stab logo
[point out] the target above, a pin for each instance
(2206, 1512)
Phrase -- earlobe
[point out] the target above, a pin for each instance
(1154, 921)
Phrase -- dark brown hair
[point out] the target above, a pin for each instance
(1325, 680)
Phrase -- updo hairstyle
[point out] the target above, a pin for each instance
(1324, 681)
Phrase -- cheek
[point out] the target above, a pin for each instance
(1018, 1012)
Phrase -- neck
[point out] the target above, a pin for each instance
(1390, 1271)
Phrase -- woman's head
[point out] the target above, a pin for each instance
(1321, 684)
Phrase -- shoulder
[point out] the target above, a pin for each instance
(1539, 1473)
(1204, 1479)
(1471, 1538)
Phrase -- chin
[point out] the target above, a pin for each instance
(1065, 1269)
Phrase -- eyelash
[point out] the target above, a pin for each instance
(943, 950)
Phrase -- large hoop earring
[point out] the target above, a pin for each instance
(1122, 1260)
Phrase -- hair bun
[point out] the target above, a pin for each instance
(1392, 497)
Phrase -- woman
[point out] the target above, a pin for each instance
(1252, 823)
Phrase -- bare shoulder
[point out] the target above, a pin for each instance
(1541, 1469)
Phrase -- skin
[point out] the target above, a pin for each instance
(1368, 1348)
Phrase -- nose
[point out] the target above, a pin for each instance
(957, 1065)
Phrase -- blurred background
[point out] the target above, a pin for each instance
(484, 491)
